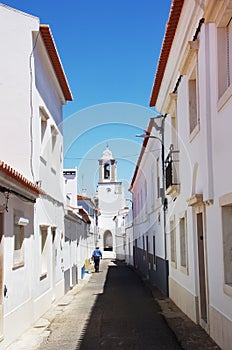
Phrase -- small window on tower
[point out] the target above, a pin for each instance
(106, 171)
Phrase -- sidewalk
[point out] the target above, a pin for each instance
(34, 337)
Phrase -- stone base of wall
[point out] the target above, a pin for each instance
(157, 274)
(220, 329)
(187, 302)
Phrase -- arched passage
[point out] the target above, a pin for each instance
(108, 241)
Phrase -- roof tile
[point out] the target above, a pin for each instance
(8, 170)
(166, 47)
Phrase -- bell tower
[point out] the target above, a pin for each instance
(107, 167)
(111, 200)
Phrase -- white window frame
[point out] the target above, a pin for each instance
(193, 98)
(44, 251)
(183, 243)
(173, 255)
(19, 235)
(44, 145)
(224, 49)
(226, 218)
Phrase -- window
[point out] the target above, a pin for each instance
(44, 133)
(227, 243)
(224, 57)
(229, 51)
(54, 134)
(18, 255)
(43, 129)
(145, 195)
(183, 245)
(193, 108)
(44, 256)
(173, 242)
(43, 118)
(138, 207)
(147, 248)
(174, 133)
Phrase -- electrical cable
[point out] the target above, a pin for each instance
(119, 157)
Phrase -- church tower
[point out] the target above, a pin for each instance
(111, 200)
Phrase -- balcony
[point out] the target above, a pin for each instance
(172, 173)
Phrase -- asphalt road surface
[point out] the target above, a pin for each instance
(114, 310)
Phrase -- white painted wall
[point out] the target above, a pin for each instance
(204, 166)
(147, 205)
(21, 97)
(17, 44)
(19, 297)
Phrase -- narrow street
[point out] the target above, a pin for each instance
(113, 311)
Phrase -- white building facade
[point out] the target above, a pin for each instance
(33, 90)
(193, 88)
(149, 245)
(88, 207)
(129, 237)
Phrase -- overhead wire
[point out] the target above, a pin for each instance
(118, 157)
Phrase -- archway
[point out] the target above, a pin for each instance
(108, 241)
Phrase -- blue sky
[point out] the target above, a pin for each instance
(109, 50)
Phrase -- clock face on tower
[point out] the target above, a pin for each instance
(108, 189)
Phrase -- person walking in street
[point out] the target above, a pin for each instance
(96, 256)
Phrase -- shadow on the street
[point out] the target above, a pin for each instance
(125, 316)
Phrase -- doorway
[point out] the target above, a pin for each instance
(135, 254)
(108, 241)
(54, 262)
(147, 257)
(201, 270)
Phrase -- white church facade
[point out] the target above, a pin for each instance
(111, 201)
